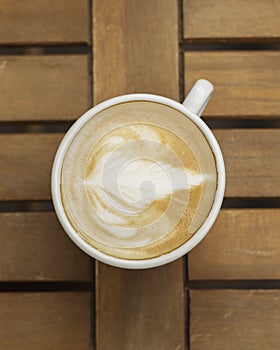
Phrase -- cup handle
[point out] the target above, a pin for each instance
(199, 96)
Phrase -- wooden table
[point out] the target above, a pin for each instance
(57, 58)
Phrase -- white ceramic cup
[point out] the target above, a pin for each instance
(192, 108)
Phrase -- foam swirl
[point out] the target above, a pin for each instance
(139, 188)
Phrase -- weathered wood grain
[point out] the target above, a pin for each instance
(34, 247)
(41, 88)
(45, 321)
(137, 309)
(246, 82)
(231, 19)
(230, 319)
(243, 244)
(135, 48)
(251, 160)
(25, 163)
(44, 22)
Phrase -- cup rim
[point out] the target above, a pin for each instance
(164, 258)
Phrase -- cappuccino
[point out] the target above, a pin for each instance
(138, 180)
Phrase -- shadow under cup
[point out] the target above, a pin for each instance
(135, 181)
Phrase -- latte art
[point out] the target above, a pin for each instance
(138, 180)
(129, 191)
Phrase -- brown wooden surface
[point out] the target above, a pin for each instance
(140, 309)
(143, 48)
(248, 153)
(43, 21)
(243, 244)
(246, 82)
(231, 19)
(137, 309)
(25, 163)
(235, 319)
(251, 160)
(58, 320)
(135, 48)
(49, 87)
(34, 247)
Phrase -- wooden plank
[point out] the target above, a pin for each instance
(25, 163)
(43, 22)
(140, 309)
(45, 321)
(246, 83)
(248, 154)
(235, 319)
(251, 160)
(49, 87)
(137, 309)
(54, 257)
(243, 244)
(143, 56)
(231, 19)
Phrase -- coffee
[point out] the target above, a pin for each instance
(138, 180)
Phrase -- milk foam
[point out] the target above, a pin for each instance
(135, 189)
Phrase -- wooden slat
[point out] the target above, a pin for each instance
(45, 321)
(243, 244)
(140, 309)
(142, 55)
(231, 19)
(251, 160)
(25, 163)
(43, 22)
(235, 319)
(43, 87)
(34, 247)
(137, 309)
(246, 82)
